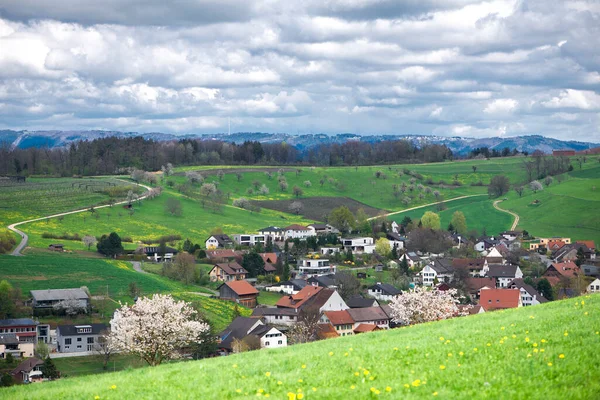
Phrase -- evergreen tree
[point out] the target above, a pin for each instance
(253, 263)
(110, 245)
(6, 380)
(545, 289)
(580, 257)
(269, 245)
(49, 369)
(394, 253)
(450, 227)
(286, 272)
(383, 227)
(349, 256)
(404, 266)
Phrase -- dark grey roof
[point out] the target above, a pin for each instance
(386, 288)
(271, 229)
(17, 322)
(71, 330)
(502, 271)
(8, 338)
(156, 249)
(520, 284)
(368, 314)
(261, 311)
(238, 329)
(323, 280)
(319, 226)
(361, 302)
(223, 239)
(442, 266)
(297, 284)
(59, 294)
(395, 236)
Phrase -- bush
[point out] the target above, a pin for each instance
(64, 236)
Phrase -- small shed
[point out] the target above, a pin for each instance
(56, 247)
(240, 291)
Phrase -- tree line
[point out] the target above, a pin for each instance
(112, 155)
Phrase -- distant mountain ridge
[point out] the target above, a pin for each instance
(458, 145)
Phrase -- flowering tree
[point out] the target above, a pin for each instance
(424, 305)
(155, 328)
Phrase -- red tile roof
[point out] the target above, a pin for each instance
(326, 331)
(296, 227)
(495, 299)
(339, 317)
(475, 284)
(224, 253)
(242, 288)
(269, 257)
(366, 328)
(589, 243)
(298, 299)
(232, 268)
(555, 244)
(567, 269)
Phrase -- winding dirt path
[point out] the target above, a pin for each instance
(515, 222)
(25, 238)
(427, 205)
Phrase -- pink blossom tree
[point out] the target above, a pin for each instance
(424, 305)
(155, 328)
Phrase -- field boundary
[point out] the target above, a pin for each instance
(515, 222)
(426, 205)
(25, 237)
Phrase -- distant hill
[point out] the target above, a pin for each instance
(459, 145)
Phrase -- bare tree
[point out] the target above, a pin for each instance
(297, 190)
(348, 284)
(519, 189)
(296, 207)
(104, 348)
(173, 206)
(305, 330)
(185, 267)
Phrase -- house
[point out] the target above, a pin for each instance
(562, 271)
(458, 240)
(276, 316)
(270, 258)
(359, 245)
(341, 321)
(510, 235)
(439, 269)
(26, 328)
(475, 266)
(315, 267)
(395, 227)
(327, 281)
(219, 241)
(223, 255)
(158, 253)
(28, 371)
(323, 229)
(326, 251)
(494, 256)
(370, 315)
(504, 274)
(12, 343)
(361, 302)
(591, 247)
(485, 243)
(326, 331)
(50, 297)
(249, 240)
(225, 272)
(296, 231)
(269, 269)
(239, 291)
(275, 233)
(590, 270)
(554, 245)
(56, 247)
(396, 240)
(472, 310)
(594, 287)
(499, 299)
(383, 291)
(315, 297)
(254, 332)
(78, 338)
(290, 287)
(529, 295)
(476, 285)
(412, 259)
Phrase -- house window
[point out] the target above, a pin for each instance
(79, 346)
(90, 340)
(68, 341)
(79, 339)
(280, 342)
(266, 343)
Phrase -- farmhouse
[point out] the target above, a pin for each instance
(383, 291)
(359, 245)
(25, 328)
(78, 338)
(253, 332)
(225, 272)
(316, 297)
(218, 242)
(529, 295)
(499, 299)
(158, 253)
(476, 285)
(50, 297)
(239, 291)
(475, 266)
(249, 240)
(296, 231)
(563, 271)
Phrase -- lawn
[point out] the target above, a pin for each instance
(78, 366)
(540, 352)
(268, 298)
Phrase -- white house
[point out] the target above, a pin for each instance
(274, 232)
(510, 235)
(296, 231)
(315, 267)
(292, 286)
(360, 245)
(241, 327)
(270, 337)
(322, 229)
(383, 291)
(249, 239)
(529, 296)
(276, 316)
(157, 253)
(412, 259)
(218, 242)
(395, 227)
(396, 240)
(504, 274)
(594, 287)
(440, 269)
(326, 251)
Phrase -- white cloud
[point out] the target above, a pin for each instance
(571, 98)
(501, 106)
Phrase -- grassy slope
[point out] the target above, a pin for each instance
(498, 360)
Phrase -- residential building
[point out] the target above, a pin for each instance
(315, 297)
(315, 267)
(326, 251)
(322, 229)
(25, 328)
(412, 259)
(327, 281)
(364, 328)
(504, 274)
(561, 271)
(594, 287)
(249, 240)
(529, 295)
(340, 320)
(158, 253)
(277, 234)
(239, 291)
(270, 258)
(359, 245)
(251, 331)
(219, 241)
(494, 256)
(439, 269)
(296, 231)
(28, 370)
(476, 285)
(48, 298)
(326, 331)
(371, 315)
(511, 235)
(396, 240)
(486, 243)
(219, 255)
(290, 287)
(383, 291)
(499, 299)
(43, 333)
(476, 266)
(78, 338)
(13, 344)
(276, 316)
(225, 272)
(590, 270)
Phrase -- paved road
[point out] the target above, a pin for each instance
(427, 205)
(516, 221)
(138, 267)
(25, 238)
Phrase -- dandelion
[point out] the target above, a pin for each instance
(330, 353)
(535, 350)
(514, 336)
(561, 356)
(345, 354)
(442, 367)
(261, 390)
(352, 387)
(300, 396)
(549, 364)
(300, 380)
(267, 374)
(371, 378)
(314, 389)
(582, 302)
(96, 397)
(541, 350)
(566, 333)
(475, 349)
(366, 372)
(543, 340)
(527, 339)
(267, 395)
(531, 317)
(113, 387)
(441, 338)
(416, 383)
(388, 389)
(356, 374)
(585, 313)
(528, 355)
(291, 396)
(449, 354)
(435, 393)
(279, 383)
(458, 365)
(395, 349)
(502, 328)
(303, 366)
(489, 344)
(461, 354)
(234, 365)
(238, 390)
(535, 345)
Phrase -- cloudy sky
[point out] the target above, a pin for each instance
(447, 67)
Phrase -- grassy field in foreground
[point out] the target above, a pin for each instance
(78, 366)
(541, 352)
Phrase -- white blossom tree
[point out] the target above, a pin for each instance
(535, 186)
(425, 305)
(155, 328)
(89, 241)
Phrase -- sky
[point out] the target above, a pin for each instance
(451, 67)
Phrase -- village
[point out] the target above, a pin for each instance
(330, 284)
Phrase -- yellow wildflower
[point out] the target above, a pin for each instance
(406, 385)
(435, 393)
(352, 387)
(535, 345)
(267, 374)
(489, 344)
(535, 350)
(96, 397)
(238, 390)
(261, 390)
(303, 366)
(366, 372)
(291, 396)
(442, 367)
(314, 389)
(279, 383)
(449, 354)
(356, 374)
(549, 364)
(566, 333)
(441, 338)
(234, 365)
(300, 396)
(388, 389)
(113, 387)
(416, 383)
(561, 356)
(331, 353)
(300, 380)
(346, 354)
(475, 349)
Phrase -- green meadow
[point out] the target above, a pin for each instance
(543, 352)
